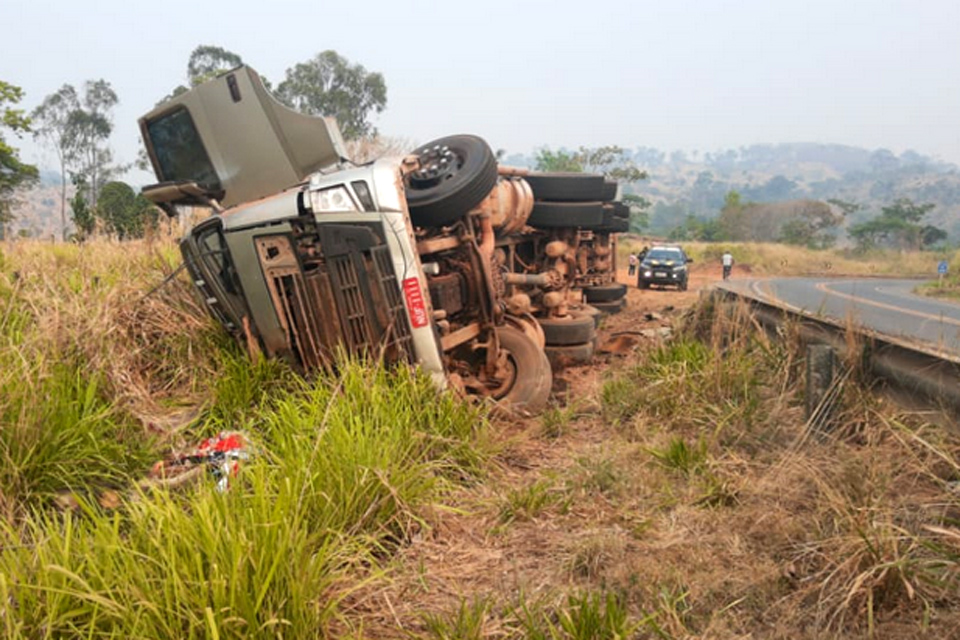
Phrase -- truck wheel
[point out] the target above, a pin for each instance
(566, 187)
(619, 225)
(576, 328)
(611, 307)
(606, 293)
(683, 285)
(561, 357)
(594, 313)
(612, 222)
(526, 382)
(621, 210)
(529, 326)
(456, 173)
(558, 215)
(609, 190)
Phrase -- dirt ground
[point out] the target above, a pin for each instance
(477, 553)
(574, 505)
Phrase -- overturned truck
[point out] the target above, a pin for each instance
(441, 259)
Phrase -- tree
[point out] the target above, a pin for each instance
(612, 161)
(329, 85)
(83, 217)
(898, 225)
(557, 161)
(55, 117)
(694, 228)
(847, 208)
(124, 212)
(89, 130)
(207, 61)
(811, 224)
(733, 219)
(904, 209)
(14, 174)
(639, 215)
(931, 235)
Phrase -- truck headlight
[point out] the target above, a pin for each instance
(332, 199)
(647, 273)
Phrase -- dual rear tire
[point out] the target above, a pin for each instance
(571, 340)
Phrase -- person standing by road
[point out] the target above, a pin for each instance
(727, 261)
(632, 261)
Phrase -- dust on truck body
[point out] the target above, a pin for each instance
(305, 257)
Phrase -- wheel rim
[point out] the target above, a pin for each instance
(437, 164)
(500, 386)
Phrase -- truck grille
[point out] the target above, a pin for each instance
(331, 297)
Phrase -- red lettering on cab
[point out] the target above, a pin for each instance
(415, 304)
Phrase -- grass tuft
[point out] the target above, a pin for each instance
(680, 456)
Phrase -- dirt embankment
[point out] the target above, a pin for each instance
(484, 552)
(697, 499)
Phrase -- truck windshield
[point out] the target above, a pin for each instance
(179, 150)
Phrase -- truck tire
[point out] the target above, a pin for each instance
(621, 210)
(612, 222)
(576, 328)
(606, 293)
(616, 226)
(559, 215)
(608, 215)
(594, 313)
(609, 190)
(566, 187)
(456, 174)
(526, 387)
(574, 354)
(611, 307)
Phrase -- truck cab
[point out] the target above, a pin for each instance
(307, 256)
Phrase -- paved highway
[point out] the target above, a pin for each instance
(885, 306)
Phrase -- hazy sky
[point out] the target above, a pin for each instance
(673, 74)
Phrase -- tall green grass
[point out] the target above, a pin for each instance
(94, 361)
(686, 383)
(75, 355)
(58, 433)
(343, 465)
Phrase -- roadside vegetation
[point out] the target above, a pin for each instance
(98, 381)
(674, 492)
(948, 287)
(692, 499)
(772, 259)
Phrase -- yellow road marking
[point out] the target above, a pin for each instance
(823, 286)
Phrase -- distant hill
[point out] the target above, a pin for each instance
(693, 183)
(685, 183)
(38, 214)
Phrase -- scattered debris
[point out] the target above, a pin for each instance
(619, 344)
(220, 455)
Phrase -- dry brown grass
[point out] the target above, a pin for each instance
(105, 303)
(688, 483)
(779, 531)
(772, 259)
